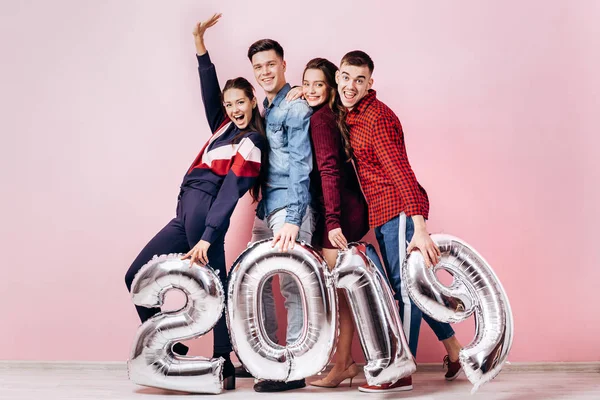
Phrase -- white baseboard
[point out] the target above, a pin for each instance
(63, 365)
(593, 366)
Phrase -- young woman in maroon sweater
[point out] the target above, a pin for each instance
(337, 187)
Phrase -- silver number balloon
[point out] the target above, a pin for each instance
(475, 290)
(313, 349)
(152, 361)
(376, 316)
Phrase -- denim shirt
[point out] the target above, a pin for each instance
(290, 158)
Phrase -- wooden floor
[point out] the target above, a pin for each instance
(64, 381)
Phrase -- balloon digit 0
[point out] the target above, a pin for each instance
(313, 349)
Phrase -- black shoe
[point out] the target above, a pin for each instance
(277, 386)
(228, 372)
(240, 372)
(180, 348)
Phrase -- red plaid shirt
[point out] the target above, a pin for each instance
(387, 179)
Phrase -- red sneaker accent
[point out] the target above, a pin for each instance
(454, 369)
(398, 386)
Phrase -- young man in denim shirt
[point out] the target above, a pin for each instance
(284, 212)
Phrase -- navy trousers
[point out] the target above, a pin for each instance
(180, 235)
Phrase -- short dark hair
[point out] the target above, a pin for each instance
(265, 45)
(358, 58)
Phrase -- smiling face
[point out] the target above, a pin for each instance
(269, 71)
(353, 84)
(314, 87)
(238, 107)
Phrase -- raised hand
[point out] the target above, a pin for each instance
(199, 31)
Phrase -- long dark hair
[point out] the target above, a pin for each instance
(256, 124)
(335, 104)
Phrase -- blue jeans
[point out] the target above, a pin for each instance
(265, 229)
(393, 238)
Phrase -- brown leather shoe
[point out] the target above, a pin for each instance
(453, 368)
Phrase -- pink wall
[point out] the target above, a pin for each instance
(101, 115)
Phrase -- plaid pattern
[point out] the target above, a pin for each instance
(387, 179)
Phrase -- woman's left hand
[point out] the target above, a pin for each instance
(337, 238)
(198, 254)
(294, 93)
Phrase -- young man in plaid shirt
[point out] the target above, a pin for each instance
(398, 204)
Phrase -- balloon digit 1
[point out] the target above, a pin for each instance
(376, 315)
(475, 290)
(313, 349)
(152, 361)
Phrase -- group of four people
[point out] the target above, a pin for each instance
(339, 128)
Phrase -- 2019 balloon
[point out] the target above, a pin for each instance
(475, 291)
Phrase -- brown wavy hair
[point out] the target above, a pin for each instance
(335, 104)
(256, 124)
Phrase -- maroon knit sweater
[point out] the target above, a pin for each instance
(334, 180)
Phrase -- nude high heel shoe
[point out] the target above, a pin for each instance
(334, 381)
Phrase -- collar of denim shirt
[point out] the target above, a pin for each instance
(278, 97)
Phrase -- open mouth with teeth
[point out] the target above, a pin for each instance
(314, 101)
(239, 120)
(349, 95)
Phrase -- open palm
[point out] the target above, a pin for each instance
(201, 27)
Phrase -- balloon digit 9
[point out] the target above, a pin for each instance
(475, 290)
